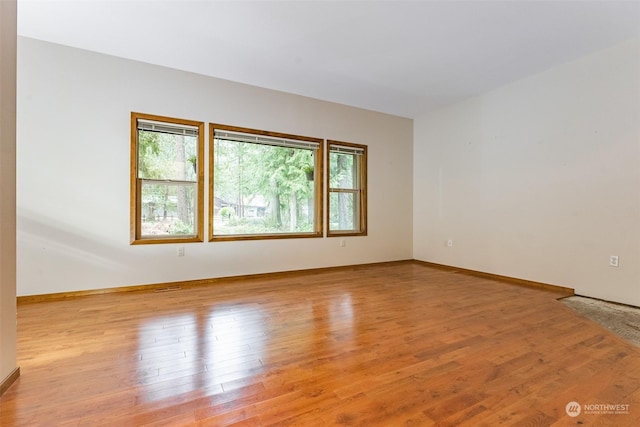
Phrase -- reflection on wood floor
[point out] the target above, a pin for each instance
(382, 345)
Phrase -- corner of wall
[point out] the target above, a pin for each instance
(8, 332)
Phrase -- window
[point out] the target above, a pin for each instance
(347, 190)
(265, 185)
(167, 180)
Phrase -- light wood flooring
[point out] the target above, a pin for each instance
(399, 344)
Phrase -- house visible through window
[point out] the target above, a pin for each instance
(265, 184)
(347, 195)
(167, 179)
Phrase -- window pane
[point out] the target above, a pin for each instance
(346, 192)
(167, 179)
(168, 209)
(342, 170)
(167, 156)
(262, 189)
(343, 215)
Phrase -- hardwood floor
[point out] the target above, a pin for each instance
(386, 345)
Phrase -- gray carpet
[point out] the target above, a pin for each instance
(622, 320)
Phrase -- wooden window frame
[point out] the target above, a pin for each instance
(361, 191)
(136, 237)
(318, 185)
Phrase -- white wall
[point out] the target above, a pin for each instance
(73, 172)
(539, 179)
(7, 188)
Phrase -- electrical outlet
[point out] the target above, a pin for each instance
(180, 250)
(450, 243)
(614, 261)
(343, 243)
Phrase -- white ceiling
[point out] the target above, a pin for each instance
(397, 57)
